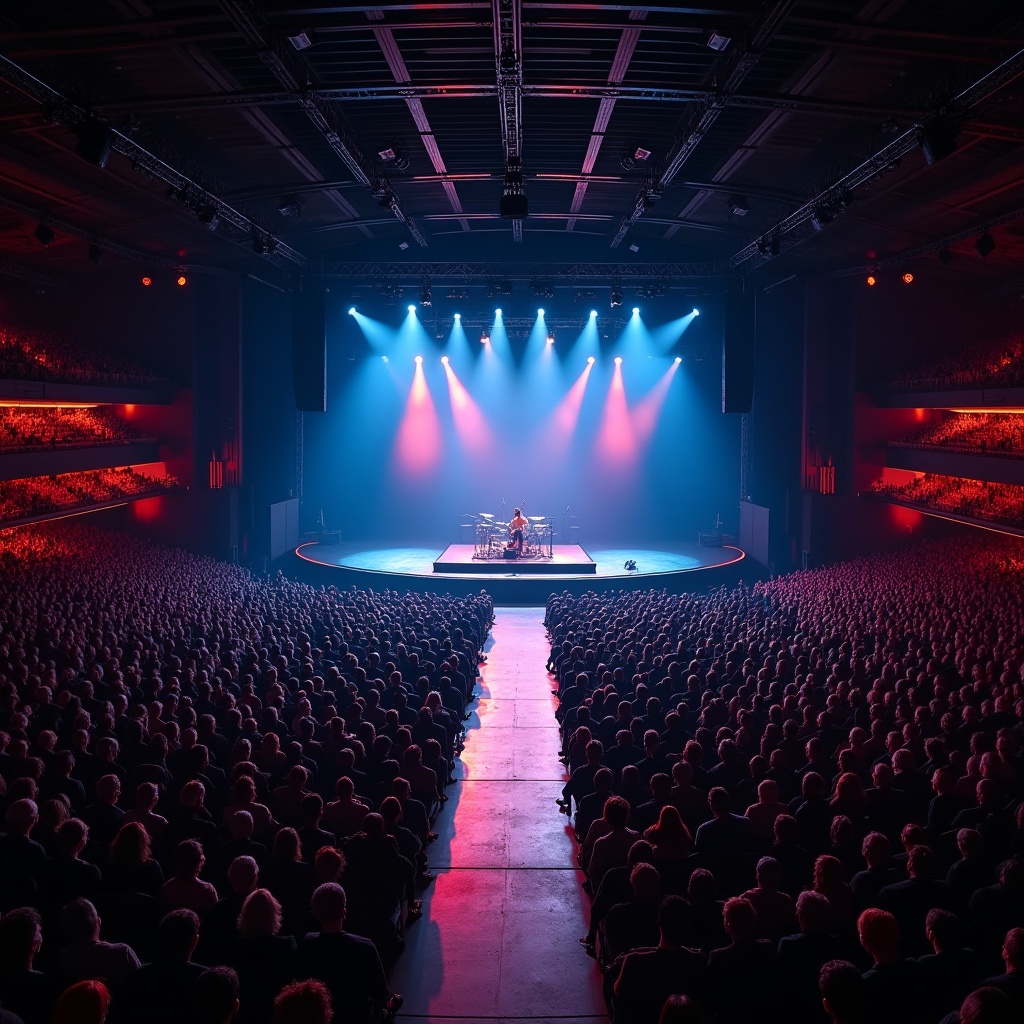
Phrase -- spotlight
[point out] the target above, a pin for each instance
(636, 311)
(412, 309)
(147, 281)
(696, 311)
(718, 42)
(678, 360)
(485, 337)
(44, 233)
(458, 316)
(616, 296)
(872, 280)
(593, 312)
(426, 297)
(908, 278)
(419, 360)
(300, 41)
(618, 360)
(739, 206)
(540, 312)
(182, 280)
(290, 205)
(444, 360)
(497, 312)
(351, 310)
(590, 360)
(383, 359)
(551, 337)
(985, 244)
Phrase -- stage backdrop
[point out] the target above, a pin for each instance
(630, 453)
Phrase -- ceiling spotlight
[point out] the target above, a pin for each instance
(426, 297)
(908, 277)
(412, 309)
(300, 41)
(627, 161)
(593, 312)
(419, 360)
(738, 206)
(383, 359)
(551, 337)
(718, 42)
(820, 216)
(618, 360)
(458, 316)
(485, 337)
(616, 295)
(636, 311)
(44, 233)
(513, 204)
(678, 360)
(351, 310)
(985, 244)
(146, 281)
(497, 312)
(182, 280)
(290, 205)
(444, 360)
(696, 311)
(590, 360)
(945, 257)
(872, 280)
(540, 312)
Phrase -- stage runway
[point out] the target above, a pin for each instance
(684, 567)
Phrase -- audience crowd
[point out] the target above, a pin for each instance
(977, 433)
(30, 354)
(993, 364)
(803, 800)
(30, 428)
(64, 492)
(217, 790)
(976, 499)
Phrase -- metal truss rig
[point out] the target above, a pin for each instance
(77, 117)
(508, 68)
(563, 273)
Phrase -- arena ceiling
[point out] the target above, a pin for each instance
(712, 141)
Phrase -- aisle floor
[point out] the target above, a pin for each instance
(498, 938)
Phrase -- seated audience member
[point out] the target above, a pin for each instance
(216, 996)
(348, 965)
(995, 909)
(953, 970)
(185, 889)
(24, 860)
(591, 807)
(130, 868)
(680, 1010)
(842, 992)
(24, 990)
(263, 958)
(85, 1002)
(910, 901)
(1011, 981)
(867, 884)
(164, 991)
(344, 815)
(973, 871)
(762, 815)
(774, 910)
(648, 977)
(87, 956)
(725, 832)
(893, 985)
(984, 1006)
(241, 844)
(802, 956)
(220, 922)
(745, 957)
(612, 849)
(303, 1002)
(615, 888)
(69, 876)
(830, 881)
(634, 923)
(290, 879)
(147, 796)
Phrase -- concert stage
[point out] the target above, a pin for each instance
(685, 567)
(565, 560)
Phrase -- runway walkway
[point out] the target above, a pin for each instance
(498, 938)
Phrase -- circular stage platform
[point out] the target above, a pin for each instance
(686, 567)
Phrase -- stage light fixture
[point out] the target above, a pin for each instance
(182, 280)
(419, 360)
(540, 312)
(384, 359)
(696, 311)
(678, 360)
(146, 281)
(290, 205)
(908, 277)
(615, 299)
(551, 337)
(44, 233)
(636, 311)
(351, 310)
(497, 312)
(444, 360)
(412, 309)
(593, 312)
(207, 214)
(718, 42)
(618, 360)
(872, 280)
(458, 316)
(590, 360)
(485, 337)
(426, 296)
(739, 206)
(985, 244)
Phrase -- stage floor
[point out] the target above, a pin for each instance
(565, 560)
(684, 567)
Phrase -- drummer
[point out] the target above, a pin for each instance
(517, 524)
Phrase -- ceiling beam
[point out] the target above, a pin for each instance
(297, 77)
(145, 161)
(722, 81)
(482, 272)
(508, 70)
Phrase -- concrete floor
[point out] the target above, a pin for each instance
(498, 938)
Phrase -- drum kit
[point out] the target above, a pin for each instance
(493, 538)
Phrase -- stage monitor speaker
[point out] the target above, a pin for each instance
(738, 353)
(309, 351)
